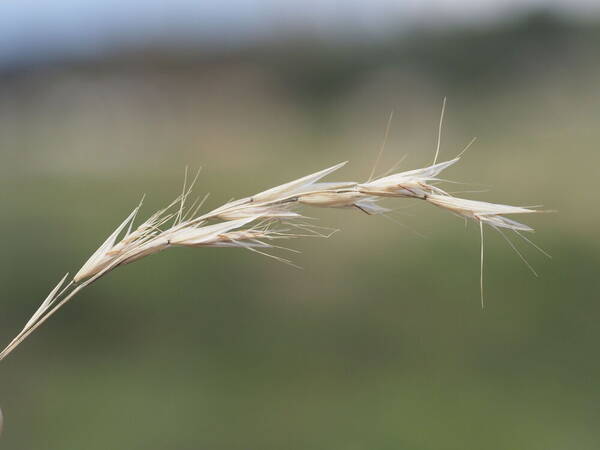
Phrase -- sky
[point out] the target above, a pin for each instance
(38, 30)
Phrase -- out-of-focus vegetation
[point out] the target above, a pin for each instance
(380, 342)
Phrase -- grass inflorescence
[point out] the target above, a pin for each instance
(259, 222)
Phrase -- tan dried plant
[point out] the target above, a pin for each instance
(255, 223)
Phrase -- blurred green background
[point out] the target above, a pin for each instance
(380, 341)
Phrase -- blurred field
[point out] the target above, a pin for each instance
(380, 342)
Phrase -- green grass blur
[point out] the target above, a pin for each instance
(380, 342)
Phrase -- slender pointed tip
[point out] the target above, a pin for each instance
(467, 147)
(141, 201)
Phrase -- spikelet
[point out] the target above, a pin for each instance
(488, 213)
(289, 189)
(413, 183)
(101, 258)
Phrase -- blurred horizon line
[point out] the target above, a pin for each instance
(22, 50)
